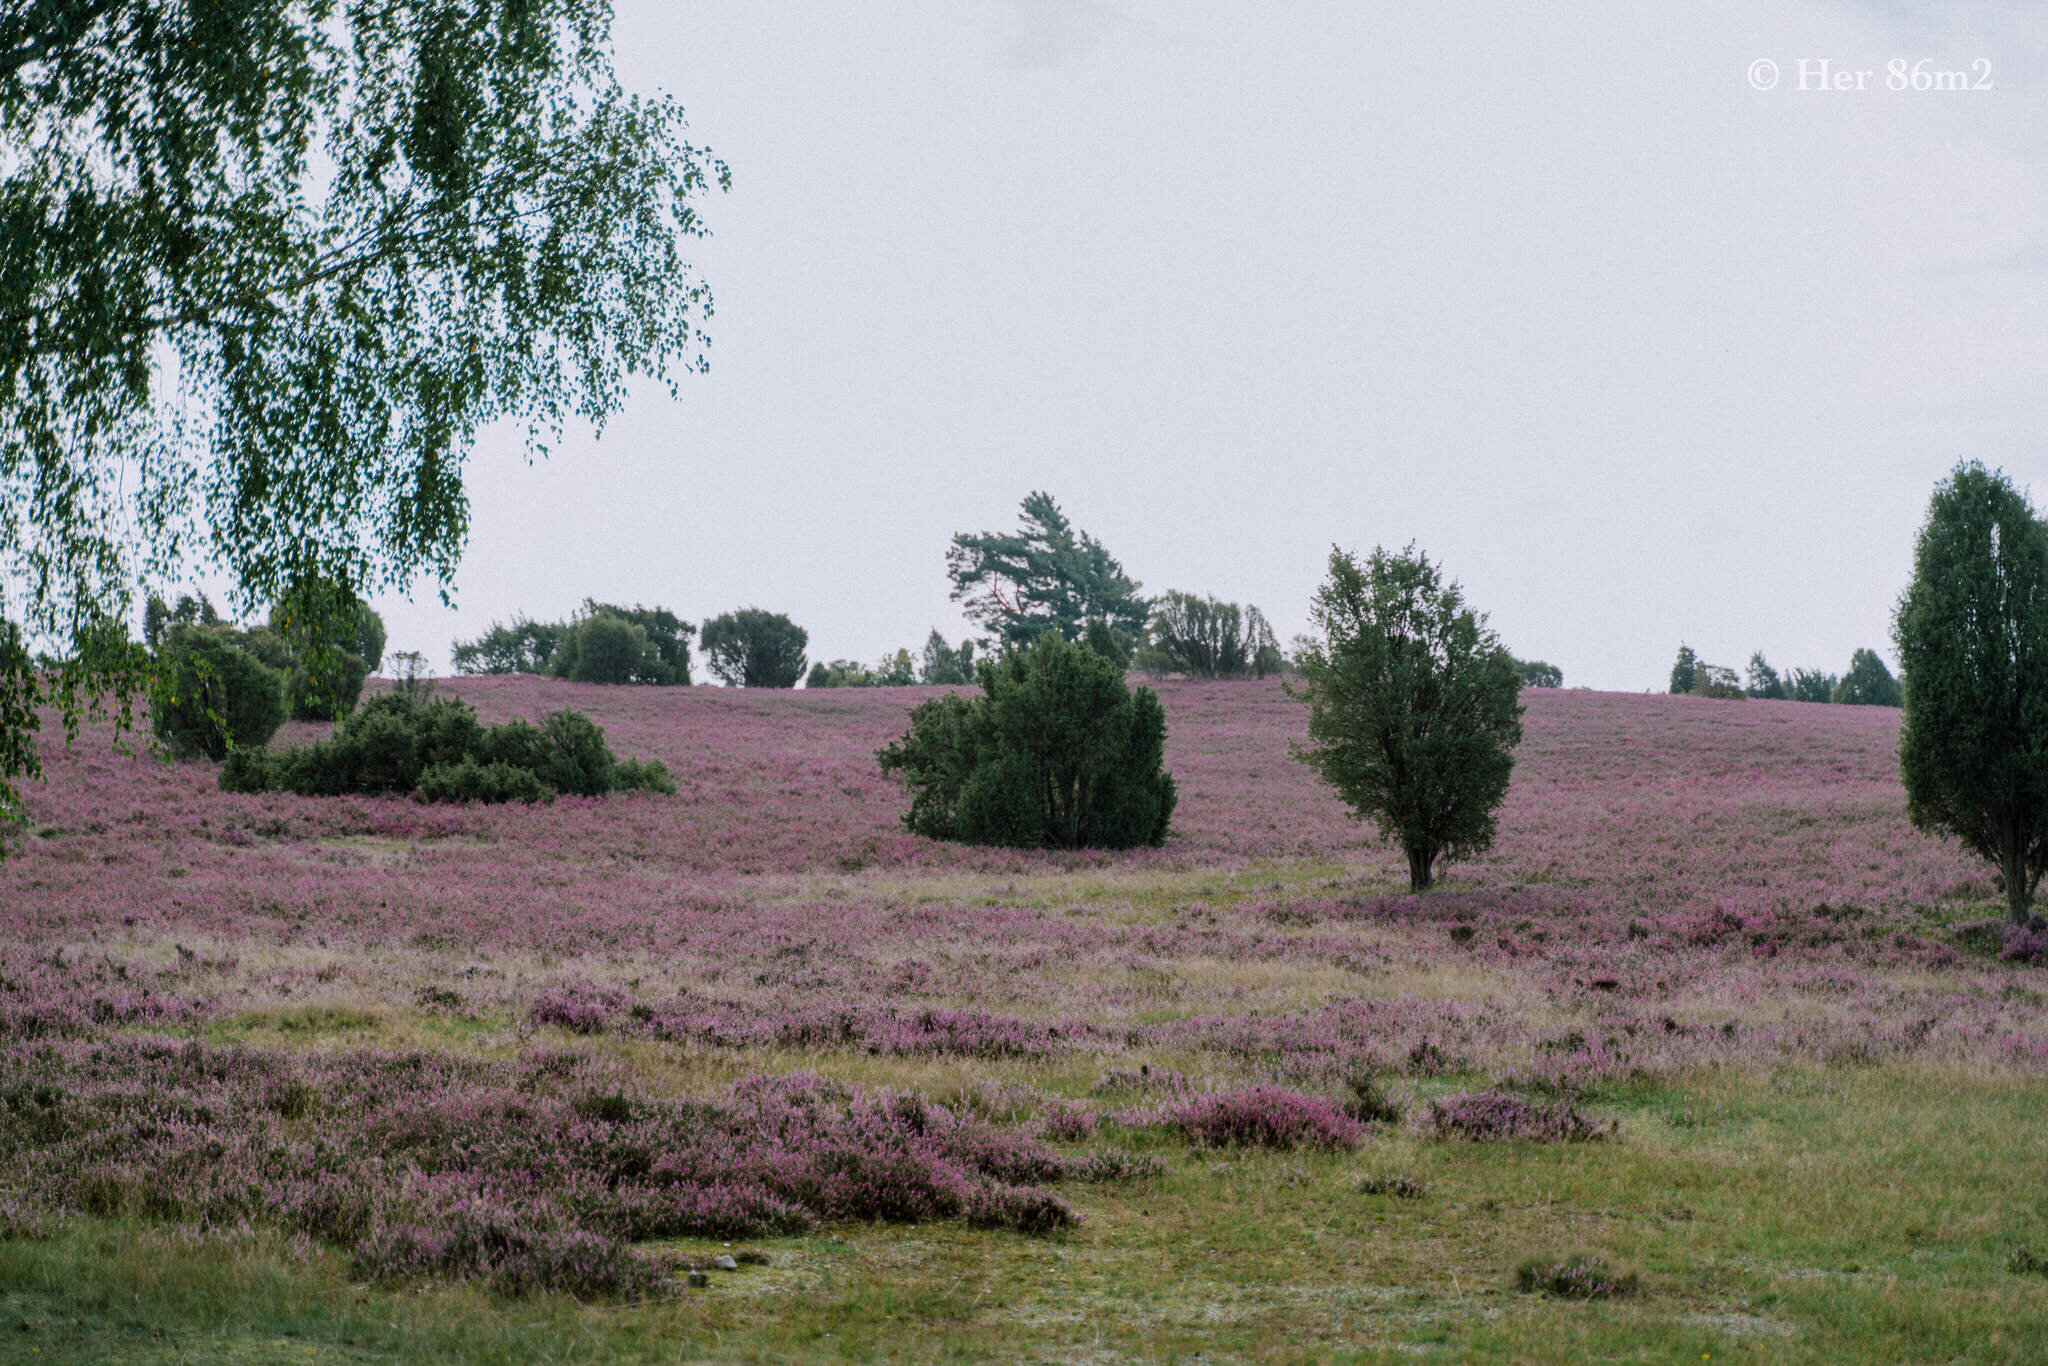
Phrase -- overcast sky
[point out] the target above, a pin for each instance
(1641, 352)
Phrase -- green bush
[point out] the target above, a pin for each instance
(577, 760)
(642, 775)
(326, 684)
(470, 781)
(434, 748)
(211, 697)
(1057, 751)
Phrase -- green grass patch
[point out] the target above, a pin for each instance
(1845, 1215)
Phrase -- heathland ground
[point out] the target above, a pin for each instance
(1710, 1011)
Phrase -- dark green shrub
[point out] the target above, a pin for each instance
(1056, 751)
(518, 743)
(470, 781)
(577, 760)
(1537, 674)
(246, 770)
(434, 747)
(209, 696)
(325, 685)
(642, 775)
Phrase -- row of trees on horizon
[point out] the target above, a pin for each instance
(1045, 578)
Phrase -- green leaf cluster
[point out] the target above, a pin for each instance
(1057, 751)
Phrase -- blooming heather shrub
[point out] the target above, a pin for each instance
(535, 1174)
(515, 1248)
(1486, 1115)
(2024, 943)
(1265, 1117)
(1067, 1123)
(1578, 1277)
(577, 1006)
(642, 775)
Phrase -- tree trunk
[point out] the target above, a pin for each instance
(2018, 892)
(1420, 863)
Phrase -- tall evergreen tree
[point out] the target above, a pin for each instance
(1684, 671)
(1043, 577)
(1972, 635)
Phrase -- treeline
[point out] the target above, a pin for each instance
(1867, 683)
(1046, 578)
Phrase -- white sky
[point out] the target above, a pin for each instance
(1641, 353)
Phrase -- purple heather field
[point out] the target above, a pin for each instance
(514, 1042)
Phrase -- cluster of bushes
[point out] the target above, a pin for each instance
(1867, 683)
(1203, 637)
(434, 748)
(602, 643)
(1057, 751)
(216, 687)
(940, 664)
(1537, 674)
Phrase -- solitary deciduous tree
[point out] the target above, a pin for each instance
(751, 648)
(1972, 634)
(1412, 704)
(266, 269)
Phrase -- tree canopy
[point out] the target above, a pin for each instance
(751, 648)
(1043, 577)
(266, 269)
(1868, 683)
(1205, 638)
(1413, 717)
(1972, 633)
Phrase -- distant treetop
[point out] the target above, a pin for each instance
(1043, 577)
